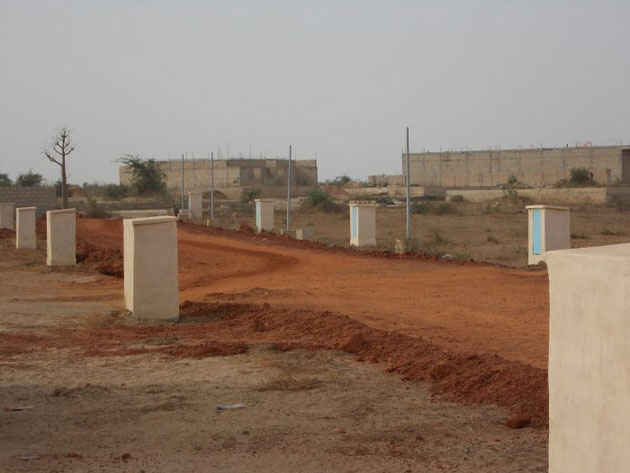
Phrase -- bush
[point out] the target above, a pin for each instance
(457, 198)
(251, 195)
(115, 191)
(147, 179)
(430, 208)
(30, 179)
(93, 210)
(320, 201)
(509, 188)
(5, 180)
(339, 181)
(581, 176)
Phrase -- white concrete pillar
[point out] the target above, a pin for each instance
(150, 263)
(195, 205)
(61, 244)
(589, 360)
(305, 233)
(264, 214)
(362, 224)
(549, 229)
(7, 211)
(25, 236)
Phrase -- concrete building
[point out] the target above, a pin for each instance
(534, 167)
(232, 176)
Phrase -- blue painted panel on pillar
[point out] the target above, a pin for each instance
(258, 214)
(536, 231)
(354, 222)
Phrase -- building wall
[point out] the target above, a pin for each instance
(233, 173)
(44, 197)
(535, 167)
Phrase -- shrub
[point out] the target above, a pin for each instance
(457, 198)
(321, 201)
(339, 180)
(29, 179)
(581, 176)
(445, 208)
(5, 180)
(509, 188)
(93, 210)
(115, 191)
(492, 239)
(146, 176)
(250, 195)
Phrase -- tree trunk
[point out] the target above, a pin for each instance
(64, 190)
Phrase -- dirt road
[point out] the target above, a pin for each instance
(462, 307)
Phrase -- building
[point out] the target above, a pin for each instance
(232, 176)
(534, 167)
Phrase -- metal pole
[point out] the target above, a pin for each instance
(408, 199)
(182, 182)
(212, 186)
(289, 192)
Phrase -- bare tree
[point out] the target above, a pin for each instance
(59, 149)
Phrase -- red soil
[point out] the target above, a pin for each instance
(477, 332)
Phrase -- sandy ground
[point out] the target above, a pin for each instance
(495, 231)
(88, 407)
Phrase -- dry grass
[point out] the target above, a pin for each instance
(494, 231)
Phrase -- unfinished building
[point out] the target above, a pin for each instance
(233, 176)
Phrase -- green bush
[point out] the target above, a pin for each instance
(250, 195)
(115, 191)
(581, 176)
(93, 210)
(320, 201)
(147, 179)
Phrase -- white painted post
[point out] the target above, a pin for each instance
(61, 245)
(7, 212)
(589, 360)
(362, 224)
(549, 229)
(25, 237)
(150, 263)
(195, 205)
(264, 214)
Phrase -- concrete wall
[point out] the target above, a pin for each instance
(387, 180)
(44, 198)
(535, 167)
(573, 195)
(233, 173)
(589, 360)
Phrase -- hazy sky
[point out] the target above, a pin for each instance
(338, 78)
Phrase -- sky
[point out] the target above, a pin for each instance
(338, 80)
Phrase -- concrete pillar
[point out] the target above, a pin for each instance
(589, 360)
(264, 214)
(7, 211)
(362, 224)
(195, 205)
(150, 263)
(61, 245)
(305, 234)
(549, 229)
(25, 236)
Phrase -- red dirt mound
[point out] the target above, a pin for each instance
(468, 378)
(246, 228)
(105, 260)
(6, 233)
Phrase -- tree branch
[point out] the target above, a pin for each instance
(49, 156)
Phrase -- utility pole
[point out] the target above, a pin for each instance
(289, 191)
(408, 198)
(182, 182)
(212, 186)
